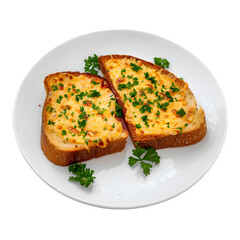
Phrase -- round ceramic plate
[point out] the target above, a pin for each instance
(118, 185)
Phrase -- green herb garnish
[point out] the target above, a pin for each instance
(174, 88)
(133, 94)
(181, 112)
(118, 110)
(145, 120)
(145, 108)
(54, 87)
(138, 126)
(163, 106)
(180, 128)
(50, 122)
(91, 64)
(83, 175)
(162, 62)
(59, 99)
(152, 79)
(135, 67)
(95, 83)
(123, 71)
(169, 96)
(94, 93)
(82, 124)
(50, 109)
(150, 155)
(80, 96)
(64, 132)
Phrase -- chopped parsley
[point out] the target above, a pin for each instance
(163, 106)
(149, 90)
(174, 88)
(133, 94)
(152, 79)
(54, 87)
(163, 87)
(186, 124)
(50, 122)
(82, 124)
(122, 86)
(118, 110)
(149, 102)
(95, 107)
(169, 96)
(50, 109)
(80, 96)
(135, 67)
(123, 71)
(181, 112)
(64, 132)
(59, 99)
(137, 102)
(138, 126)
(135, 81)
(101, 111)
(145, 120)
(94, 93)
(95, 83)
(113, 126)
(162, 62)
(180, 132)
(145, 108)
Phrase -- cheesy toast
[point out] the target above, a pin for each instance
(159, 109)
(79, 119)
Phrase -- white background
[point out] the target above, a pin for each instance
(30, 209)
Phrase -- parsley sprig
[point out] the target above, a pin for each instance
(135, 67)
(91, 64)
(150, 156)
(83, 175)
(162, 62)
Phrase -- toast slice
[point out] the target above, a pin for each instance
(159, 109)
(79, 120)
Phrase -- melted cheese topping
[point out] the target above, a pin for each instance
(155, 102)
(81, 110)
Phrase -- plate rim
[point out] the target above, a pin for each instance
(108, 206)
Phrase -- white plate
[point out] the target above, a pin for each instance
(117, 184)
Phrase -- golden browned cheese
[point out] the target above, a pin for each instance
(155, 103)
(81, 110)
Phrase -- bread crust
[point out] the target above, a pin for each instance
(66, 157)
(151, 140)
